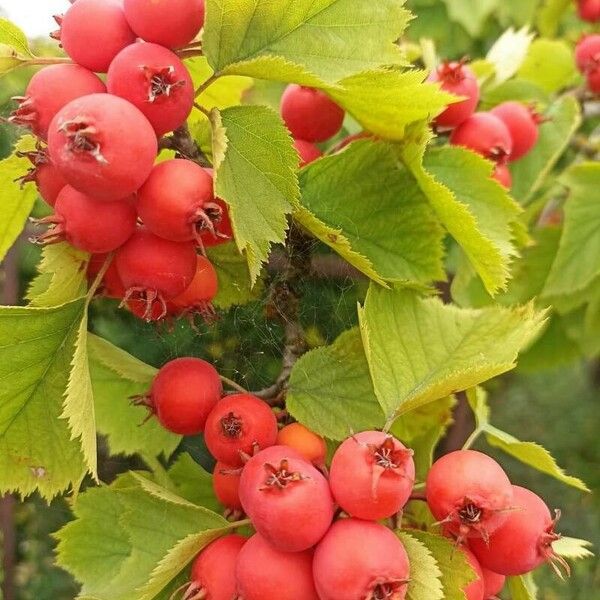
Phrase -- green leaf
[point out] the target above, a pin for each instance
(550, 15)
(420, 350)
(456, 573)
(9, 58)
(11, 35)
(530, 172)
(477, 211)
(256, 174)
(471, 14)
(61, 276)
(573, 548)
(232, 273)
(549, 64)
(330, 390)
(116, 376)
(330, 38)
(385, 101)
(522, 588)
(425, 575)
(193, 483)
(576, 265)
(387, 232)
(529, 453)
(508, 53)
(37, 449)
(92, 547)
(17, 202)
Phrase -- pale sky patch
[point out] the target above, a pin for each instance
(34, 17)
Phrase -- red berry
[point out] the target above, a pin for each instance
(286, 498)
(183, 393)
(88, 224)
(103, 145)
(458, 79)
(502, 175)
(470, 493)
(524, 541)
(47, 178)
(111, 285)
(226, 485)
(213, 571)
(172, 23)
(307, 151)
(593, 79)
(485, 134)
(93, 32)
(360, 559)
(372, 475)
(475, 589)
(156, 81)
(587, 51)
(492, 583)
(176, 201)
(198, 296)
(522, 123)
(264, 573)
(589, 10)
(309, 445)
(48, 91)
(310, 114)
(239, 425)
(155, 270)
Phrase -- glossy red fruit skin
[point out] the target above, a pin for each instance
(307, 152)
(503, 175)
(309, 445)
(226, 485)
(154, 80)
(48, 91)
(587, 51)
(265, 573)
(92, 226)
(49, 182)
(198, 296)
(93, 32)
(237, 425)
(213, 571)
(310, 114)
(475, 589)
(355, 557)
(372, 475)
(111, 286)
(469, 492)
(150, 263)
(172, 23)
(172, 201)
(287, 499)
(493, 583)
(102, 145)
(458, 79)
(522, 124)
(183, 393)
(593, 79)
(589, 10)
(523, 542)
(485, 134)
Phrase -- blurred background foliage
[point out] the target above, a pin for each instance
(553, 398)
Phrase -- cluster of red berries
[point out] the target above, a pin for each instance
(98, 170)
(587, 57)
(589, 10)
(319, 530)
(311, 117)
(505, 134)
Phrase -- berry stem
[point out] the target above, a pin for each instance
(232, 384)
(202, 87)
(184, 145)
(472, 438)
(98, 280)
(47, 60)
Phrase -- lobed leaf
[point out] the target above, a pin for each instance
(573, 548)
(12, 36)
(330, 390)
(193, 483)
(551, 75)
(425, 575)
(420, 350)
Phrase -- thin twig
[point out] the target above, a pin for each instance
(206, 84)
(184, 145)
(232, 384)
